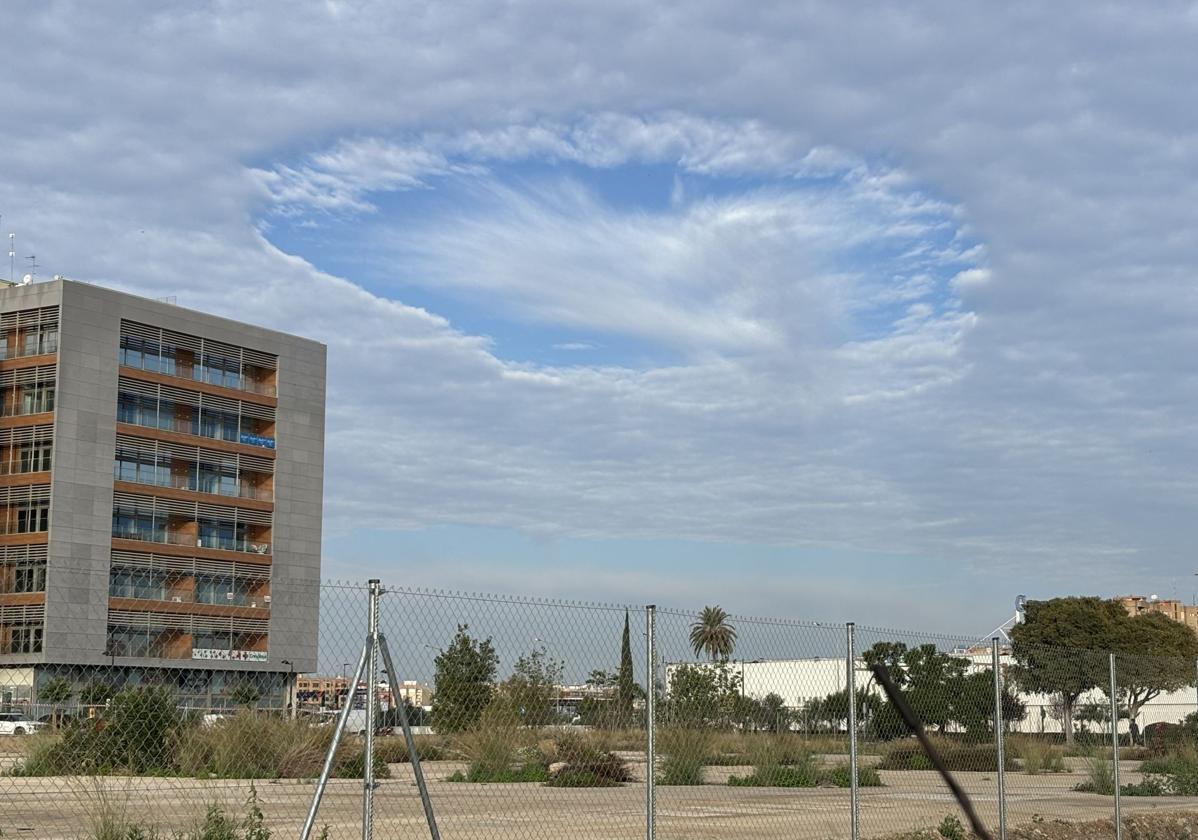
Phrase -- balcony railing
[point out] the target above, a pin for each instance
(198, 373)
(23, 350)
(16, 467)
(186, 482)
(194, 427)
(167, 596)
(191, 541)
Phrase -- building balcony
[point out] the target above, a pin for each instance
(242, 490)
(193, 427)
(190, 540)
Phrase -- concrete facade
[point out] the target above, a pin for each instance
(80, 538)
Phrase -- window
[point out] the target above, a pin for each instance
(217, 478)
(29, 517)
(212, 640)
(219, 533)
(29, 577)
(132, 524)
(41, 340)
(35, 457)
(142, 467)
(219, 425)
(37, 397)
(128, 641)
(146, 584)
(25, 638)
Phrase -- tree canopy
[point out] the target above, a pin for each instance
(1062, 648)
(464, 682)
(713, 634)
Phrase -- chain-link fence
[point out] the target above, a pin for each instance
(487, 716)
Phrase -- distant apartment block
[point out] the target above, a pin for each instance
(161, 476)
(1181, 613)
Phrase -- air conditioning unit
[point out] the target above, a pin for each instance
(228, 596)
(176, 599)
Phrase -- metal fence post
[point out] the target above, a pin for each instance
(851, 690)
(650, 722)
(1115, 747)
(998, 740)
(372, 645)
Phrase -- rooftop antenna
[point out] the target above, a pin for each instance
(12, 258)
(32, 275)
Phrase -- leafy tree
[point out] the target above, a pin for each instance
(765, 714)
(625, 682)
(1056, 649)
(55, 691)
(531, 691)
(712, 634)
(245, 693)
(95, 693)
(1154, 655)
(464, 682)
(832, 711)
(889, 654)
(703, 695)
(973, 705)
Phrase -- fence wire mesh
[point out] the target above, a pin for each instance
(529, 719)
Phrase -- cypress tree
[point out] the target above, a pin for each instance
(625, 685)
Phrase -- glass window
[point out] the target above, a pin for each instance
(35, 397)
(131, 524)
(35, 457)
(32, 517)
(29, 577)
(26, 639)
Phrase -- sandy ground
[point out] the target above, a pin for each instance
(63, 807)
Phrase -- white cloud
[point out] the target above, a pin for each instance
(1044, 424)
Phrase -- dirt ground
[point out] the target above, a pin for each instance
(57, 808)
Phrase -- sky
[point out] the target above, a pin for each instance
(808, 312)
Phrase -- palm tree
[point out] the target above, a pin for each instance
(712, 634)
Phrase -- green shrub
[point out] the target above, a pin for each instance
(1040, 757)
(394, 750)
(352, 765)
(1151, 786)
(1100, 777)
(840, 776)
(776, 766)
(909, 755)
(686, 753)
(950, 828)
(585, 764)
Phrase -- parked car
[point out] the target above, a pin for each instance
(15, 723)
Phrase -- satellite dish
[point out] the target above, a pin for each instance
(27, 279)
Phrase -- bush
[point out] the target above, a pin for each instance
(394, 750)
(909, 755)
(1040, 757)
(950, 828)
(244, 746)
(499, 750)
(775, 766)
(866, 776)
(586, 765)
(1101, 777)
(687, 752)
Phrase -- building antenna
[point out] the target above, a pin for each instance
(32, 267)
(12, 258)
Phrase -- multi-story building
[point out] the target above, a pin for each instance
(161, 475)
(1181, 613)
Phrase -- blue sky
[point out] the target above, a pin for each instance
(799, 311)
